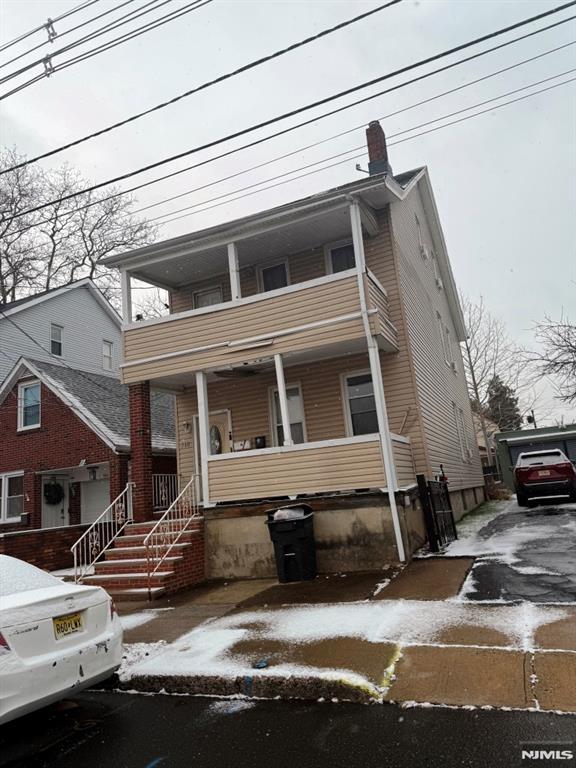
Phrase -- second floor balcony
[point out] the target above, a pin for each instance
(290, 289)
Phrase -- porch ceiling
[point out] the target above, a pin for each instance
(292, 237)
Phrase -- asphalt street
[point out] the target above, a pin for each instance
(544, 569)
(105, 729)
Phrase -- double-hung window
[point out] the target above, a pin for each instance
(463, 437)
(274, 277)
(208, 297)
(295, 414)
(361, 404)
(107, 355)
(341, 258)
(56, 339)
(11, 496)
(29, 405)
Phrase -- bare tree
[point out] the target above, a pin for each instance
(66, 240)
(490, 354)
(557, 357)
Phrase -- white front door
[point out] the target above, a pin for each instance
(94, 499)
(55, 501)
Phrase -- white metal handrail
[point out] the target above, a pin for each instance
(100, 535)
(169, 529)
(165, 488)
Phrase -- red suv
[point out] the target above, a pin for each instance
(544, 474)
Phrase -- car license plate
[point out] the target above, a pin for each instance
(544, 473)
(67, 625)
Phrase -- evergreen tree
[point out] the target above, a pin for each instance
(502, 406)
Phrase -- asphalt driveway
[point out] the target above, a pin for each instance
(520, 554)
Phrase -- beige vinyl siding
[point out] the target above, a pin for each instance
(405, 472)
(399, 380)
(310, 470)
(264, 317)
(380, 323)
(438, 385)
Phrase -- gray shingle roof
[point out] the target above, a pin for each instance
(105, 401)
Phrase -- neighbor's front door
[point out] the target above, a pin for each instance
(55, 515)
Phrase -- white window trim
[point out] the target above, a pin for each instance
(21, 387)
(105, 357)
(60, 341)
(215, 287)
(272, 415)
(4, 496)
(328, 248)
(262, 267)
(443, 341)
(465, 451)
(345, 400)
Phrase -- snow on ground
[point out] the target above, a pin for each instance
(133, 620)
(208, 649)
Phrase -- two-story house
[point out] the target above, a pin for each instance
(314, 350)
(64, 420)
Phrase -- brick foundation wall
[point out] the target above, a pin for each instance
(48, 548)
(191, 569)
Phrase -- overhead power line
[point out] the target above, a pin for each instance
(65, 32)
(109, 27)
(297, 111)
(304, 123)
(47, 24)
(50, 70)
(220, 79)
(362, 147)
(355, 128)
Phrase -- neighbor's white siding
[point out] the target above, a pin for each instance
(85, 322)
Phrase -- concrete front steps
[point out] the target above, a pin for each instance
(123, 572)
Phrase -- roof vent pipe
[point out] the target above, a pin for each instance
(377, 151)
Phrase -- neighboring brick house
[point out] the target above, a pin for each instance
(65, 424)
(314, 352)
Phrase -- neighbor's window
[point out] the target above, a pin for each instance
(274, 277)
(295, 414)
(208, 297)
(56, 339)
(29, 405)
(341, 258)
(11, 496)
(107, 355)
(363, 419)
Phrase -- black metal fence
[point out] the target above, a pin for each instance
(438, 514)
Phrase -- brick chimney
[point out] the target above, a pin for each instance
(377, 152)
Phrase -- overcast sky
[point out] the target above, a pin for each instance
(504, 182)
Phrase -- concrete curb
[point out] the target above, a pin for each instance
(263, 686)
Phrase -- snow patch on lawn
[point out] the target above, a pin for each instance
(133, 620)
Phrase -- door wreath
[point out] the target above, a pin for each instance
(53, 493)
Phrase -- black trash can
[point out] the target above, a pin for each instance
(292, 533)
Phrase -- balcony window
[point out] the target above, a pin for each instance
(29, 405)
(341, 258)
(295, 414)
(274, 277)
(361, 405)
(208, 297)
(56, 339)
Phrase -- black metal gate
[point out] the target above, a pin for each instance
(438, 515)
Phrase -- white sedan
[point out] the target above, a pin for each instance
(55, 638)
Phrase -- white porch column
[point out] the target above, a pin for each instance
(234, 271)
(377, 381)
(203, 433)
(126, 296)
(283, 399)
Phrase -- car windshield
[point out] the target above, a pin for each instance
(18, 576)
(544, 458)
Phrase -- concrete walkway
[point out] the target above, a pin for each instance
(404, 636)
